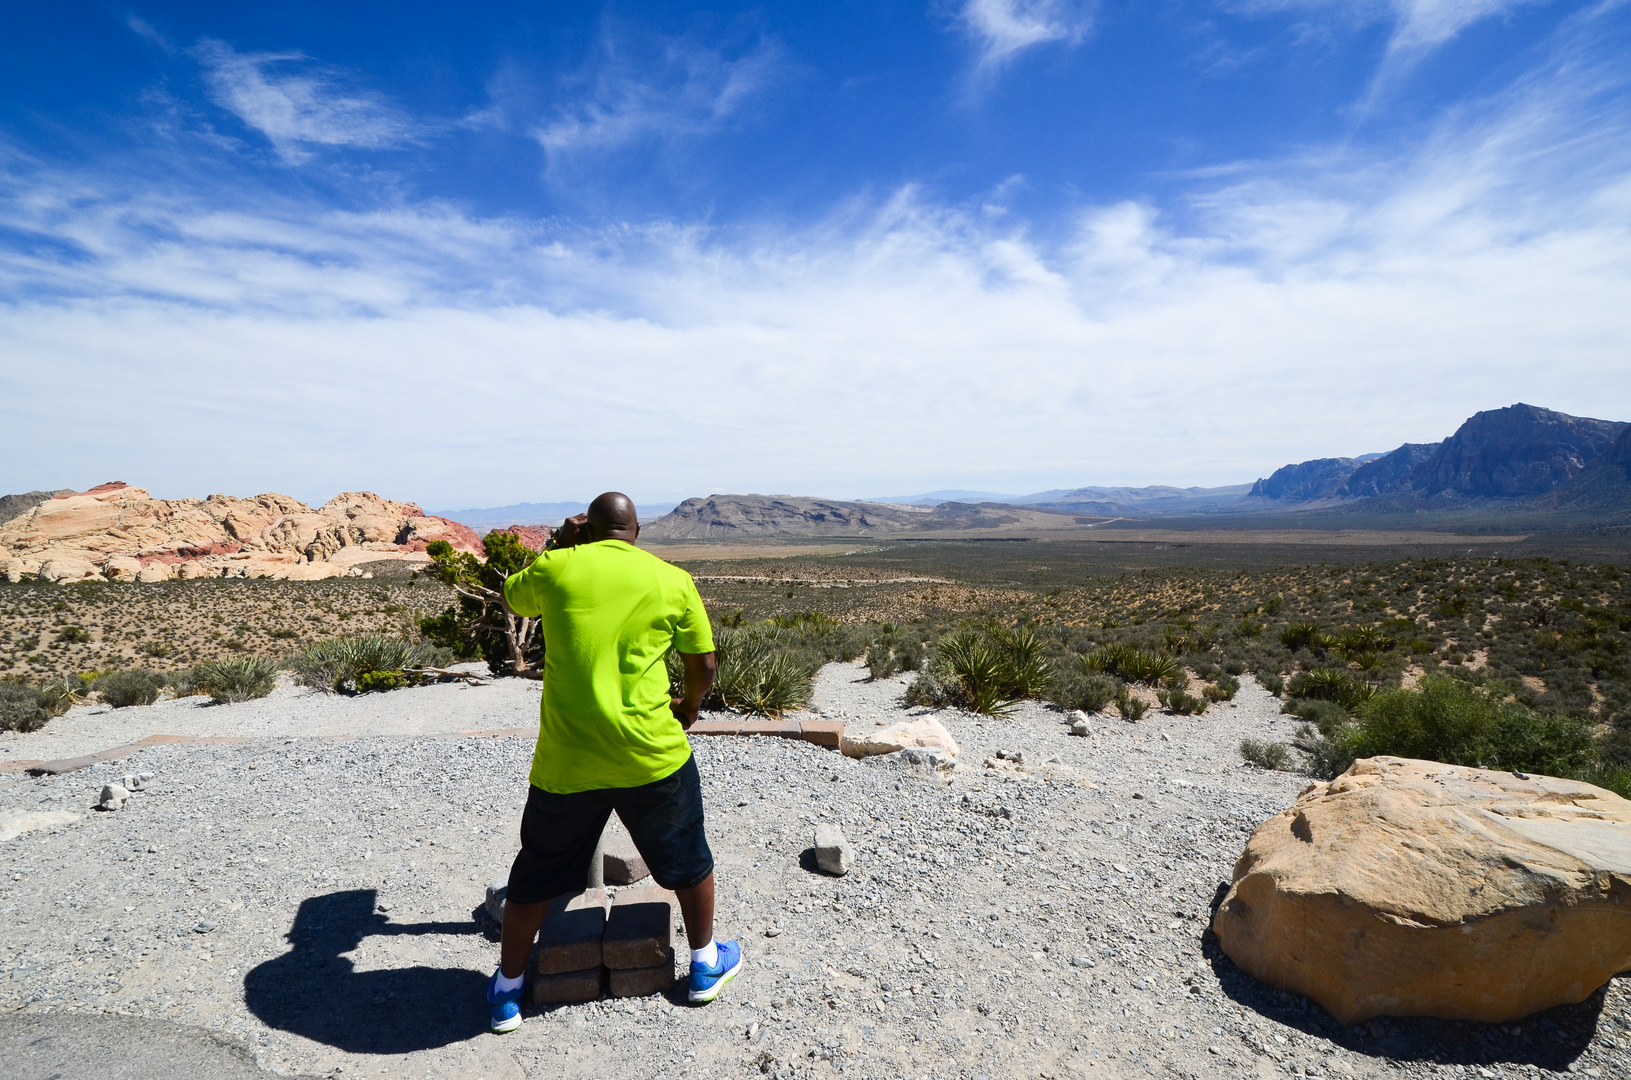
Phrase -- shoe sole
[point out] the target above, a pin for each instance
(713, 991)
(505, 1026)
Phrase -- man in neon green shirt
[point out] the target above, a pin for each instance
(611, 738)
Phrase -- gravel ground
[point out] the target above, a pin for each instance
(313, 900)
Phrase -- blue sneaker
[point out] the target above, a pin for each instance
(707, 982)
(505, 1007)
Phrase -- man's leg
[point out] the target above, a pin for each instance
(521, 925)
(697, 906)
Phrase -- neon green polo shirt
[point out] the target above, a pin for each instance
(609, 613)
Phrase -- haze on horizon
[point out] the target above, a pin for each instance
(475, 258)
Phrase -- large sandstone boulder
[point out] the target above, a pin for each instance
(156, 571)
(1411, 888)
(69, 568)
(925, 731)
(122, 568)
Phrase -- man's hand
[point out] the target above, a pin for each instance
(700, 669)
(573, 531)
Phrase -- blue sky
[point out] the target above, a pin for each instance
(528, 252)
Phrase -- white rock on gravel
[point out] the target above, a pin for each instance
(833, 853)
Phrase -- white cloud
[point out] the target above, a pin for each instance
(1002, 29)
(297, 103)
(1337, 302)
(684, 90)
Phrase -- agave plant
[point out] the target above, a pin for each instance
(238, 678)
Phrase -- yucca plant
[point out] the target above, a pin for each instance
(335, 665)
(762, 670)
(1299, 635)
(235, 679)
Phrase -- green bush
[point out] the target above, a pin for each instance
(238, 678)
(29, 708)
(1272, 681)
(1134, 665)
(764, 669)
(1447, 720)
(890, 654)
(1181, 702)
(1223, 689)
(1299, 636)
(983, 670)
(1327, 716)
(336, 665)
(122, 689)
(21, 708)
(1130, 707)
(1328, 684)
(1081, 687)
(1270, 755)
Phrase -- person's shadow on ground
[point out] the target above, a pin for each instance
(316, 992)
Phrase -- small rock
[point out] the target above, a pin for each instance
(1138, 794)
(773, 931)
(833, 852)
(1082, 962)
(385, 905)
(136, 781)
(1081, 727)
(114, 796)
(927, 759)
(203, 927)
(496, 891)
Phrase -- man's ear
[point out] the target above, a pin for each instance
(636, 535)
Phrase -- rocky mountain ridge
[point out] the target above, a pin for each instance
(1521, 451)
(116, 532)
(719, 517)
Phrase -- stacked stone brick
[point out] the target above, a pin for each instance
(624, 945)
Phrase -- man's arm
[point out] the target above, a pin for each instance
(700, 669)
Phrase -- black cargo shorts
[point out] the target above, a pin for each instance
(559, 834)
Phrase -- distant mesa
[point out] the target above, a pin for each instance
(721, 517)
(115, 532)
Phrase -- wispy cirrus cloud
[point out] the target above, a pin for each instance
(656, 91)
(1340, 300)
(1003, 29)
(299, 103)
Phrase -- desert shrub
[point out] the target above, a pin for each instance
(1265, 755)
(21, 708)
(1130, 707)
(823, 635)
(1203, 668)
(890, 654)
(132, 686)
(1327, 716)
(1272, 681)
(1181, 702)
(29, 708)
(1447, 720)
(1328, 684)
(1080, 687)
(337, 664)
(1223, 689)
(238, 678)
(1234, 666)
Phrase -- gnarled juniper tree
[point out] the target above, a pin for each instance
(479, 624)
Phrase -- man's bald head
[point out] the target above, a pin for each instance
(612, 516)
